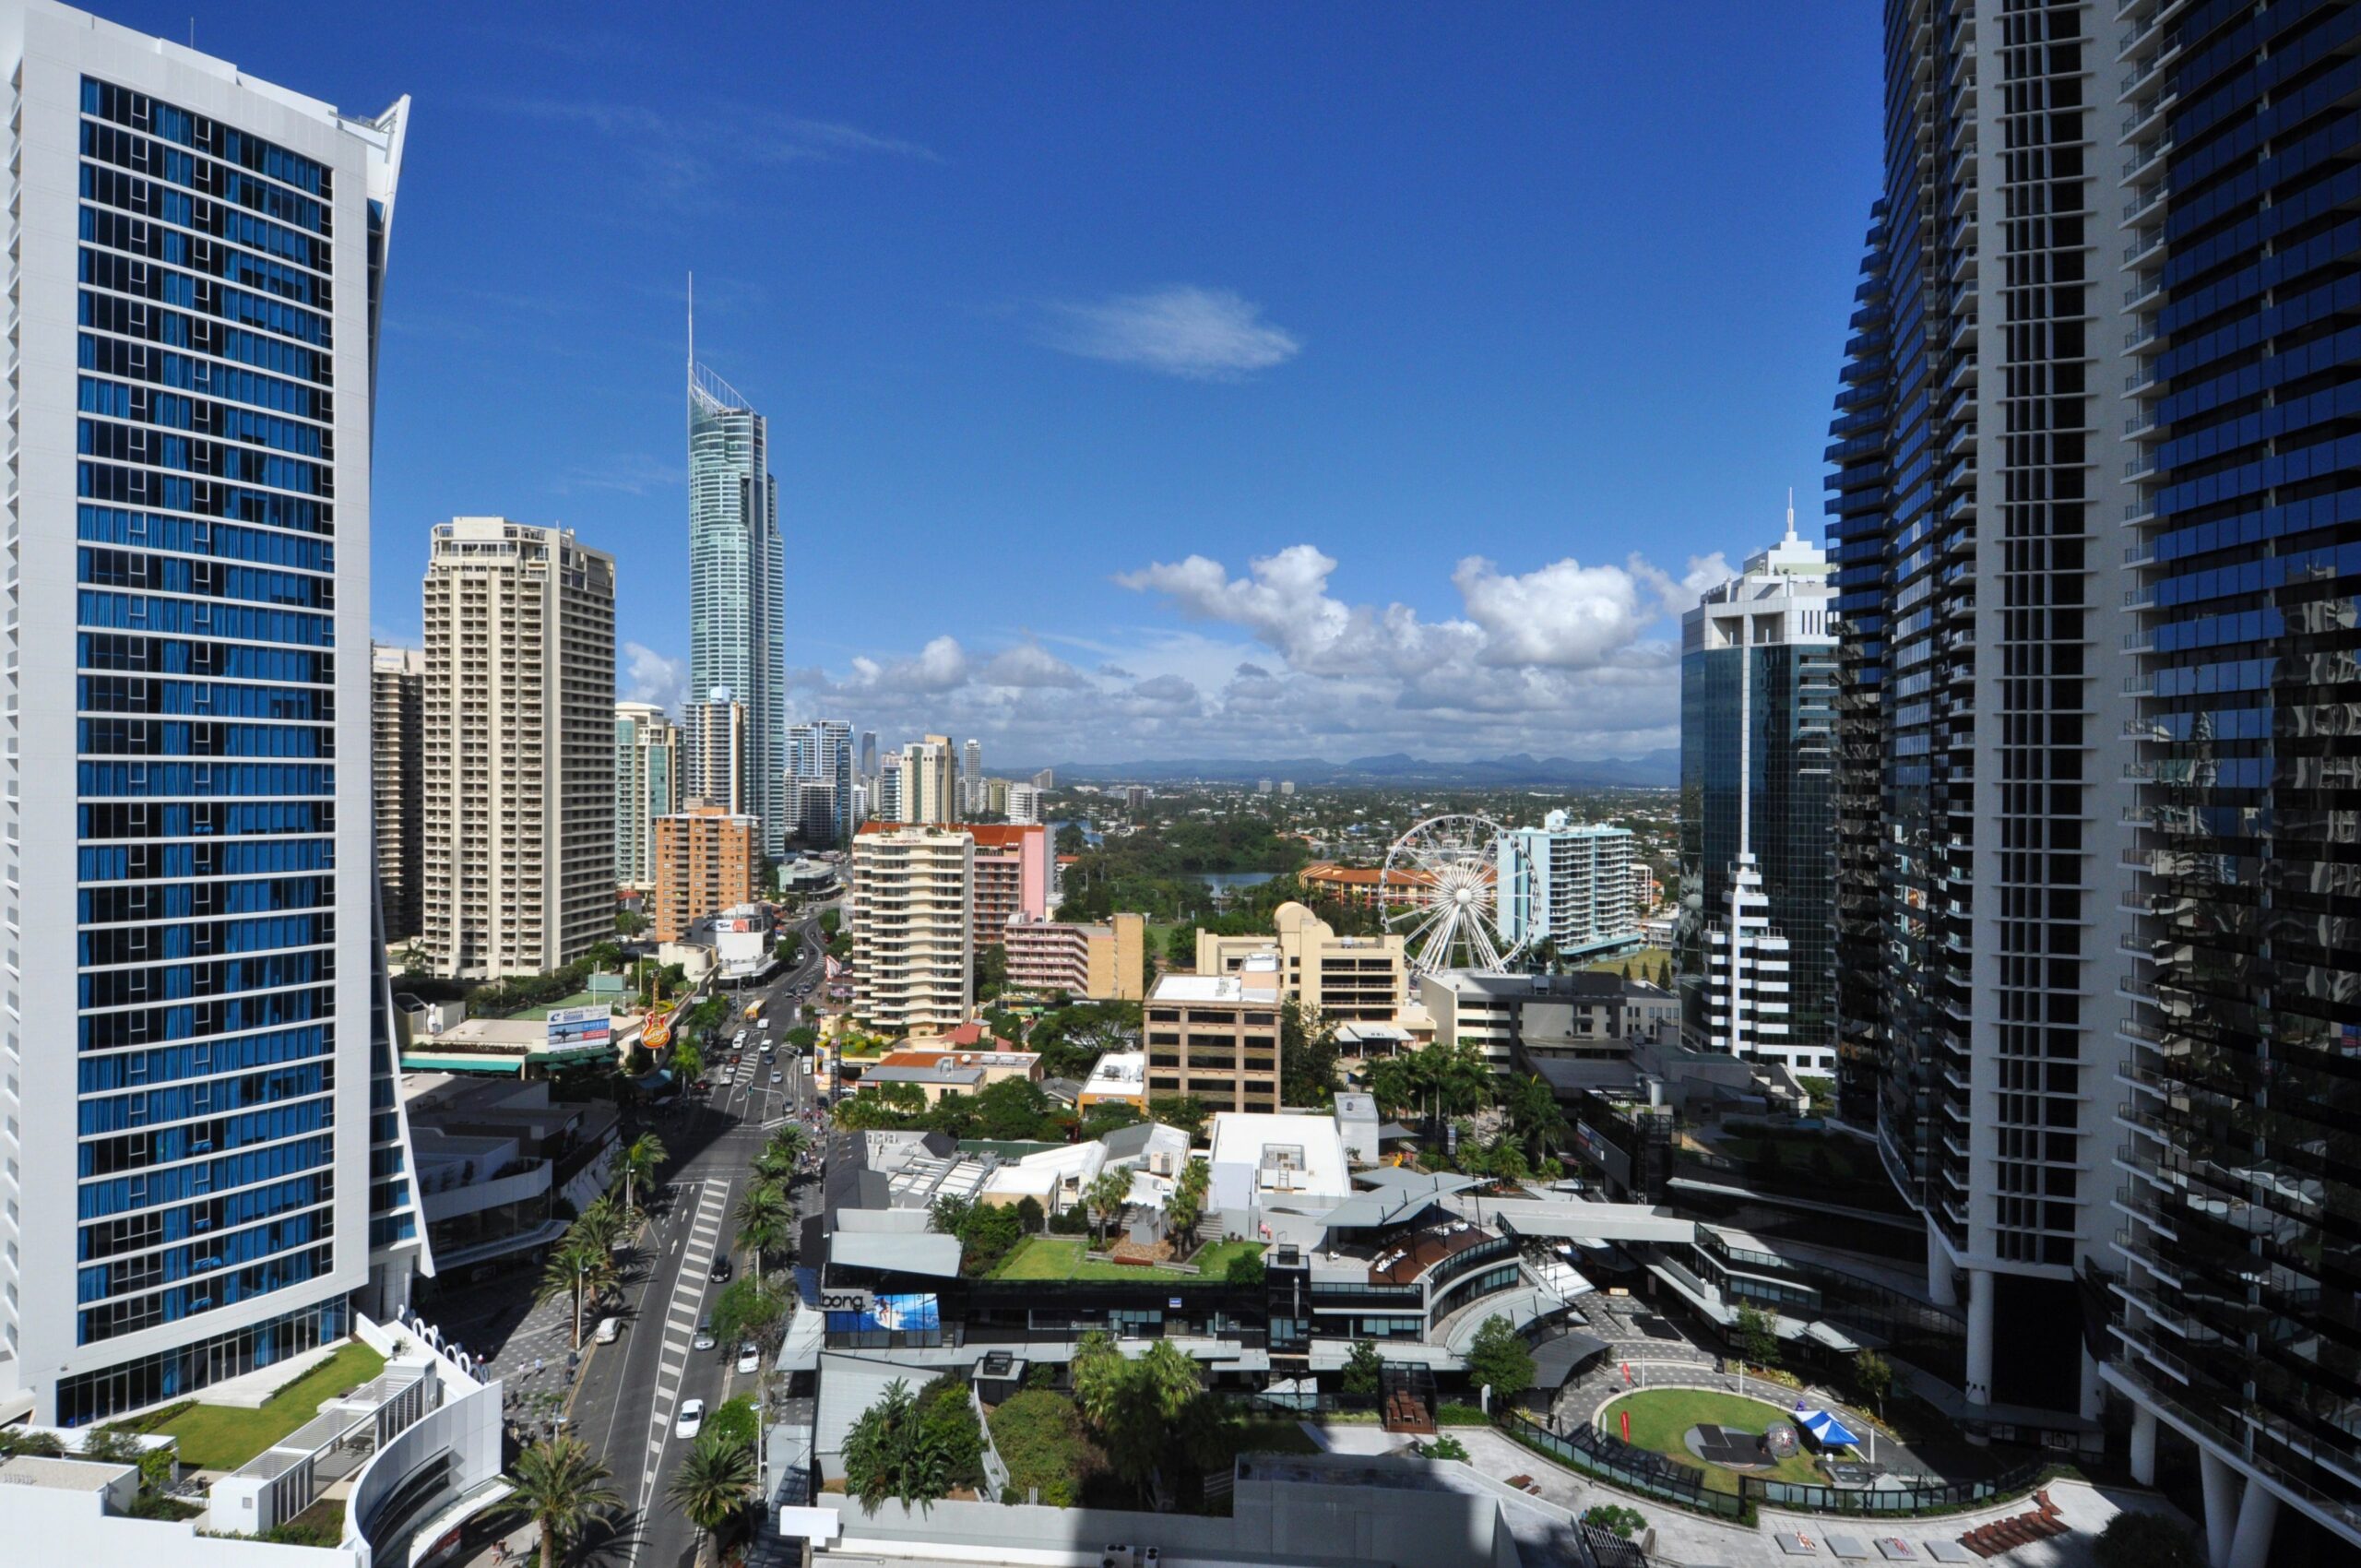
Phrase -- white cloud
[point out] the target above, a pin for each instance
(1199, 334)
(649, 676)
(1564, 659)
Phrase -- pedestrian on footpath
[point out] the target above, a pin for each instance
(540, 1366)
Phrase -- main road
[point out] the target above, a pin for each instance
(631, 1392)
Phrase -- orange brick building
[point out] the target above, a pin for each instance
(705, 860)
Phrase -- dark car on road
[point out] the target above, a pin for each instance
(723, 1269)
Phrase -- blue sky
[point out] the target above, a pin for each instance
(1483, 330)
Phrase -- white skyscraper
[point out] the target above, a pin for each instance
(186, 1054)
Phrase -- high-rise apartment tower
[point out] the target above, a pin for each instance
(737, 568)
(397, 794)
(520, 748)
(203, 1167)
(647, 785)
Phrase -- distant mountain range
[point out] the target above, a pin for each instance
(1655, 770)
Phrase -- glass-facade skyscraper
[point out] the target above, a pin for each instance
(737, 570)
(1758, 689)
(201, 1152)
(2096, 513)
(2233, 1284)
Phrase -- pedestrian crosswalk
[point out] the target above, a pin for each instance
(682, 1314)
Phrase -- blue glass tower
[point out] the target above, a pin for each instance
(737, 570)
(205, 1156)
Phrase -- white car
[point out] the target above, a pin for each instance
(691, 1420)
(750, 1360)
(777, 1078)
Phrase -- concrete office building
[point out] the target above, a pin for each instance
(737, 585)
(1217, 1036)
(1584, 1016)
(1099, 963)
(1567, 884)
(647, 785)
(398, 793)
(707, 860)
(1758, 717)
(1976, 505)
(520, 751)
(1345, 979)
(913, 945)
(191, 911)
(714, 757)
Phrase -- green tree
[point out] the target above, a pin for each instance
(991, 973)
(765, 1218)
(1106, 1196)
(1246, 1268)
(577, 1267)
(1364, 1368)
(639, 1164)
(753, 1310)
(1107, 1116)
(604, 1222)
(1535, 1116)
(1014, 1109)
(558, 1486)
(1615, 1519)
(1873, 1375)
(781, 1154)
(1756, 1336)
(1137, 1404)
(2135, 1540)
(715, 1478)
(1308, 1056)
(629, 923)
(1499, 1359)
(890, 1452)
(1391, 1083)
(1185, 1112)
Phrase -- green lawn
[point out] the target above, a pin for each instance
(1066, 1257)
(579, 999)
(1662, 1417)
(222, 1437)
(1643, 963)
(1213, 1259)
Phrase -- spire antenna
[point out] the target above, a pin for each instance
(1791, 513)
(693, 344)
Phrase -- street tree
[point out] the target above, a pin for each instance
(714, 1481)
(764, 1222)
(639, 1164)
(577, 1267)
(558, 1486)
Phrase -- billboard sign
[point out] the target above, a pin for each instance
(578, 1028)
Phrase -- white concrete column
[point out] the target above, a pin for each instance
(1979, 1336)
(1939, 1270)
(2257, 1513)
(2144, 1445)
(2221, 1481)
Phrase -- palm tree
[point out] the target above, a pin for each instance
(1533, 1112)
(1107, 1196)
(604, 1221)
(764, 1217)
(781, 1156)
(714, 1481)
(890, 1452)
(562, 1489)
(577, 1265)
(640, 1160)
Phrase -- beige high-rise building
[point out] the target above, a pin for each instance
(519, 748)
(1345, 979)
(1102, 963)
(713, 751)
(397, 798)
(913, 952)
(1217, 1036)
(647, 785)
(930, 782)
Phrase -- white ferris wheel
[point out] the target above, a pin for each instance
(1440, 890)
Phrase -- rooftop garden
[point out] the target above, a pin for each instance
(222, 1437)
(1069, 1257)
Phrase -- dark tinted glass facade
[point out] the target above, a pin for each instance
(2240, 1256)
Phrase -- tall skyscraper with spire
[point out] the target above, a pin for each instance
(737, 566)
